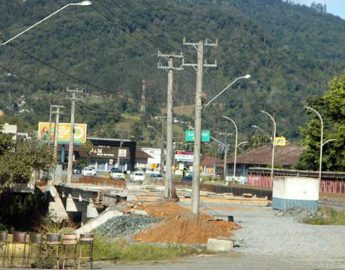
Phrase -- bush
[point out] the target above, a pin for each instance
(327, 216)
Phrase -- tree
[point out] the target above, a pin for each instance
(23, 162)
(332, 108)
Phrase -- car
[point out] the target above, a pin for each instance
(77, 170)
(87, 171)
(156, 176)
(188, 177)
(137, 176)
(117, 173)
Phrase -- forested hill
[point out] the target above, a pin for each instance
(291, 51)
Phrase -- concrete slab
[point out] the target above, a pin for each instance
(220, 244)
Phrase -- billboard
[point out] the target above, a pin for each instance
(63, 132)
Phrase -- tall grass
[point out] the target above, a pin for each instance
(123, 250)
(327, 216)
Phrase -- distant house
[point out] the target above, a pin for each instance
(212, 166)
(284, 157)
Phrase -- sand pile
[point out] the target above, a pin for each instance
(181, 226)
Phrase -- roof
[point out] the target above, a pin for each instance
(283, 155)
(208, 160)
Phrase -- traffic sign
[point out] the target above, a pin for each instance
(205, 136)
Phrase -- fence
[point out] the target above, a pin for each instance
(331, 182)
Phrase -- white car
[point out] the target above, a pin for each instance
(137, 176)
(89, 171)
(117, 173)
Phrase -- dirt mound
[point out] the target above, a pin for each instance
(181, 226)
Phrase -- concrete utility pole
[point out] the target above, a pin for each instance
(51, 112)
(56, 129)
(199, 67)
(71, 138)
(169, 145)
(226, 148)
(143, 98)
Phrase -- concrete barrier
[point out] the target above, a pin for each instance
(220, 244)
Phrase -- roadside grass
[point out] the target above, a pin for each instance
(327, 216)
(124, 251)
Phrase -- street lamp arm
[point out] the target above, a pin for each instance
(84, 3)
(218, 141)
(226, 88)
(160, 134)
(241, 143)
(330, 140)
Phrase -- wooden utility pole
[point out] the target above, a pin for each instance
(71, 138)
(199, 67)
(143, 98)
(169, 141)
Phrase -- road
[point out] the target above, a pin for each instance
(267, 240)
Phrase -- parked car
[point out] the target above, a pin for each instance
(87, 171)
(117, 173)
(156, 176)
(77, 170)
(188, 177)
(137, 176)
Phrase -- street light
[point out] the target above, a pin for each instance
(197, 145)
(273, 140)
(259, 128)
(321, 137)
(83, 3)
(236, 138)
(226, 88)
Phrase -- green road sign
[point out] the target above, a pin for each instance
(205, 136)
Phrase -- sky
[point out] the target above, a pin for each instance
(336, 7)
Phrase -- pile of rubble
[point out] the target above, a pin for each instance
(300, 214)
(126, 225)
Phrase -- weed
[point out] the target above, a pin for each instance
(327, 216)
(123, 250)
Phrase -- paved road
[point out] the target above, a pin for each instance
(220, 262)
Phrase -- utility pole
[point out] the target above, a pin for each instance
(199, 67)
(225, 173)
(71, 138)
(56, 129)
(143, 96)
(169, 144)
(161, 166)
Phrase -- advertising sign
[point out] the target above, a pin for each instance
(280, 141)
(63, 132)
(122, 153)
(205, 136)
(184, 156)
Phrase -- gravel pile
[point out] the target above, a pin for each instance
(300, 214)
(125, 225)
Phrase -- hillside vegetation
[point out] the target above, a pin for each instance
(291, 51)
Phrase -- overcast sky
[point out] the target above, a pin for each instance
(336, 7)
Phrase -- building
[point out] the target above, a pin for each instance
(285, 157)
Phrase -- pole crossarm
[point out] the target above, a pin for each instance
(167, 56)
(196, 45)
(84, 3)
